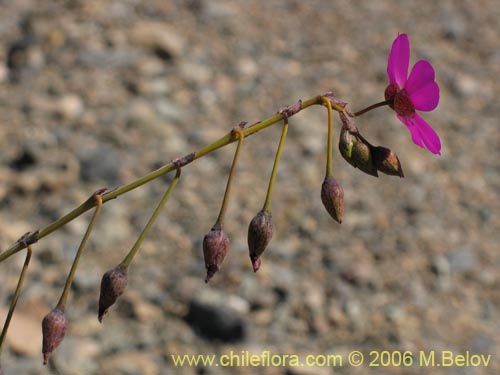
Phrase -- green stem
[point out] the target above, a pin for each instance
(130, 256)
(373, 106)
(61, 305)
(329, 149)
(222, 142)
(270, 188)
(238, 133)
(13, 304)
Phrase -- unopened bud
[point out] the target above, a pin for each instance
(260, 232)
(53, 331)
(357, 152)
(332, 196)
(387, 161)
(215, 248)
(113, 284)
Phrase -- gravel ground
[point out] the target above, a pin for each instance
(98, 93)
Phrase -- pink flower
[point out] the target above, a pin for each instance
(419, 91)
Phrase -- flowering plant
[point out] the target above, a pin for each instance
(404, 94)
(419, 91)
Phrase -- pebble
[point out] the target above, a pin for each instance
(69, 107)
(101, 93)
(462, 259)
(159, 38)
(215, 321)
(100, 164)
(24, 335)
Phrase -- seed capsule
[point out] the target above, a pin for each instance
(357, 152)
(260, 232)
(53, 331)
(332, 196)
(215, 247)
(387, 161)
(113, 284)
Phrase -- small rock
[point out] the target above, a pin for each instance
(452, 27)
(69, 107)
(3, 73)
(360, 274)
(77, 355)
(100, 165)
(24, 334)
(215, 321)
(163, 41)
(462, 259)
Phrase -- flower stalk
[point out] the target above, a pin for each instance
(97, 197)
(272, 180)
(239, 135)
(373, 106)
(329, 150)
(17, 293)
(133, 251)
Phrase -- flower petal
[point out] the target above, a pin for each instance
(422, 133)
(399, 58)
(421, 87)
(426, 98)
(415, 134)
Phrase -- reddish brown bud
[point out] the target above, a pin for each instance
(260, 232)
(332, 196)
(387, 161)
(113, 284)
(53, 330)
(357, 152)
(215, 248)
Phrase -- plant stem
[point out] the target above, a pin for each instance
(373, 106)
(329, 149)
(17, 293)
(270, 188)
(238, 133)
(61, 305)
(222, 142)
(130, 256)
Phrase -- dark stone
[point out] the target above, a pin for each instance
(215, 322)
(25, 160)
(100, 165)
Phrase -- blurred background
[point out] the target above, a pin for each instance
(98, 93)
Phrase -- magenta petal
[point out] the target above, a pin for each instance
(399, 58)
(422, 133)
(426, 98)
(421, 87)
(429, 136)
(415, 134)
(421, 74)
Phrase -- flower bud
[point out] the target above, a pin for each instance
(215, 248)
(113, 284)
(357, 152)
(260, 232)
(53, 331)
(332, 196)
(387, 161)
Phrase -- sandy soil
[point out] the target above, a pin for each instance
(98, 93)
